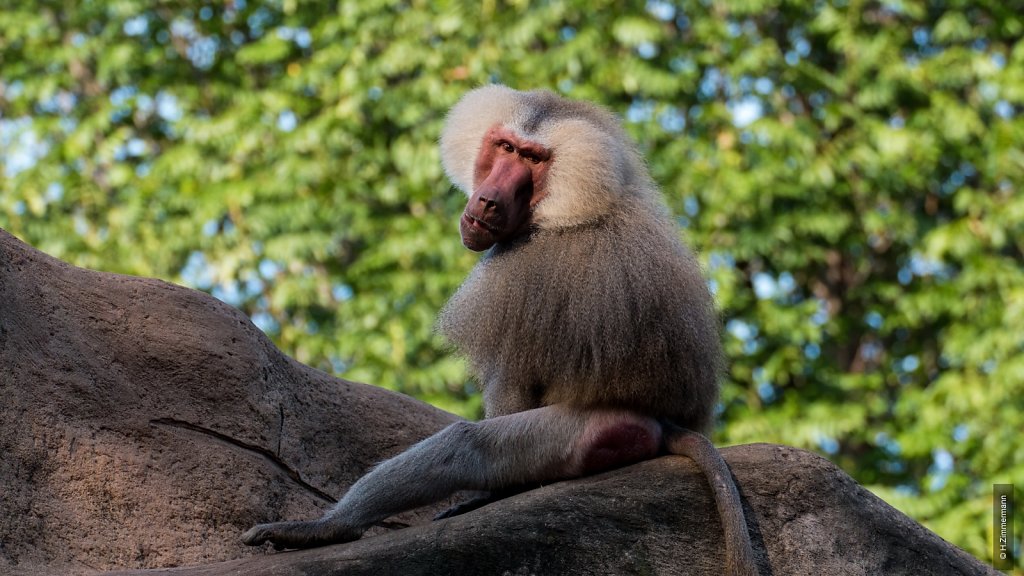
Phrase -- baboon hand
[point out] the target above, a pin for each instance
(285, 535)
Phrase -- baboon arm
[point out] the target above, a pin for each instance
(738, 550)
(540, 445)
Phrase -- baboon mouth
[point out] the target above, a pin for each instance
(477, 235)
(477, 223)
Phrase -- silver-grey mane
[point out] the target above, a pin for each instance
(618, 303)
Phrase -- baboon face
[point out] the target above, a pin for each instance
(508, 181)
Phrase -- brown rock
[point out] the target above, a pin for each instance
(147, 425)
(144, 424)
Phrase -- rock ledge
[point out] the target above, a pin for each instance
(146, 425)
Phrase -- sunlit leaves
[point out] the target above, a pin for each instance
(266, 50)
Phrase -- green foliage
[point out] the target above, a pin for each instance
(849, 171)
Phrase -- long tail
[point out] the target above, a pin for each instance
(739, 552)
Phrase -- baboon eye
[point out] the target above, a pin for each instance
(507, 147)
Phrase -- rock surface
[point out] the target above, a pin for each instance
(145, 425)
